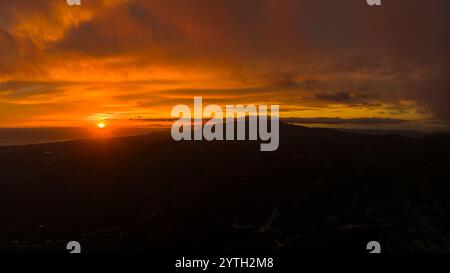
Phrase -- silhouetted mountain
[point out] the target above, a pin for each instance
(322, 190)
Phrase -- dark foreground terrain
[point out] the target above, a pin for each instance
(323, 190)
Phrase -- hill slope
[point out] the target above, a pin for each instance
(323, 190)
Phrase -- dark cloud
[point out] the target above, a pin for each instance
(318, 120)
(434, 94)
(359, 121)
(341, 97)
(23, 89)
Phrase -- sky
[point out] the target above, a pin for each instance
(128, 60)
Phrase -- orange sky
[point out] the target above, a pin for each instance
(131, 59)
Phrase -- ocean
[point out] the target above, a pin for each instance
(25, 136)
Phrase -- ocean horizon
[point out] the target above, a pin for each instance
(39, 135)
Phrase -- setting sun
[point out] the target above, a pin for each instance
(101, 125)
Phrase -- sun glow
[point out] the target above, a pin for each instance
(101, 125)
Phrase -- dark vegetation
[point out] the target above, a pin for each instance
(323, 190)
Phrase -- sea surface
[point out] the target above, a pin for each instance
(25, 136)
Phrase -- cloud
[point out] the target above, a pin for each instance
(137, 56)
(335, 97)
(359, 121)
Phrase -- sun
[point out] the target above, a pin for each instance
(101, 125)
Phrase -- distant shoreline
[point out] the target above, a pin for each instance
(34, 136)
(46, 135)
